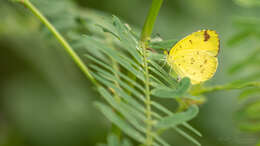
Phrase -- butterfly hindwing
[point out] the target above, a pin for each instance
(195, 56)
(198, 65)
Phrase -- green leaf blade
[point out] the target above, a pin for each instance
(178, 118)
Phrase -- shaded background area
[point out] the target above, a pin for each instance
(46, 100)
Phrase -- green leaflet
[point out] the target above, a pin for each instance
(165, 45)
(127, 39)
(247, 118)
(165, 92)
(117, 64)
(160, 72)
(237, 38)
(251, 60)
(169, 113)
(178, 118)
(248, 3)
(253, 110)
(187, 136)
(115, 82)
(249, 92)
(128, 64)
(156, 56)
(132, 116)
(112, 140)
(113, 117)
(108, 30)
(126, 142)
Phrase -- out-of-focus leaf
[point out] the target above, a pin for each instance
(248, 3)
(249, 92)
(112, 140)
(126, 98)
(258, 144)
(247, 117)
(165, 92)
(157, 57)
(178, 118)
(108, 30)
(245, 23)
(129, 113)
(115, 55)
(101, 144)
(164, 45)
(126, 142)
(252, 59)
(130, 43)
(162, 73)
(239, 37)
(187, 136)
(114, 118)
(253, 110)
(169, 113)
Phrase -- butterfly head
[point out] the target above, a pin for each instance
(166, 53)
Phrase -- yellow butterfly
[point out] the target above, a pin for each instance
(195, 56)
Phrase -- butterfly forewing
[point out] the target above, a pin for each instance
(195, 56)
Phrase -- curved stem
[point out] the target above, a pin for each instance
(230, 86)
(59, 37)
(150, 20)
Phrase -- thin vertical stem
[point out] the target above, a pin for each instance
(150, 20)
(59, 37)
(145, 36)
(149, 138)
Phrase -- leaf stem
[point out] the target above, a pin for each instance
(59, 37)
(145, 36)
(150, 20)
(230, 86)
(149, 138)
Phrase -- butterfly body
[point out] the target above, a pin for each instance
(195, 56)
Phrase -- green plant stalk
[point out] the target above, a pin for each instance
(59, 37)
(150, 20)
(229, 86)
(149, 137)
(145, 36)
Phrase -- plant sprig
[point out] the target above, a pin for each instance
(134, 115)
(59, 37)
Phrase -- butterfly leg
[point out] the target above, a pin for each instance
(178, 78)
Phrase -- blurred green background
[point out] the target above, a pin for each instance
(45, 100)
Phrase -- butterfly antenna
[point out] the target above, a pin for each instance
(165, 58)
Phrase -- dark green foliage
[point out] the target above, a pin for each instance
(178, 118)
(247, 27)
(113, 140)
(248, 115)
(117, 61)
(162, 44)
(248, 3)
(126, 94)
(113, 54)
(165, 92)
